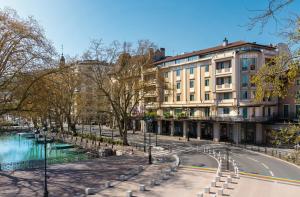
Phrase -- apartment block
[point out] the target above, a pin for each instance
(208, 94)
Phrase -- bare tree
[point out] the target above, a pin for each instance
(23, 49)
(118, 76)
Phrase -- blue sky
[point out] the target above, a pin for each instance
(178, 25)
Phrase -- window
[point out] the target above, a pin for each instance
(206, 82)
(251, 79)
(245, 112)
(178, 97)
(166, 98)
(227, 95)
(178, 85)
(229, 80)
(220, 81)
(206, 68)
(206, 96)
(178, 111)
(177, 73)
(221, 65)
(285, 111)
(244, 95)
(248, 63)
(297, 111)
(191, 70)
(226, 110)
(206, 111)
(192, 112)
(192, 97)
(192, 83)
(298, 82)
(245, 80)
(166, 74)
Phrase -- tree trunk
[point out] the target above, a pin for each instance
(100, 130)
(125, 140)
(82, 128)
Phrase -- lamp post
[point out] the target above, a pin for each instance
(144, 137)
(156, 137)
(150, 130)
(45, 161)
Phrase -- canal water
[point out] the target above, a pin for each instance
(16, 148)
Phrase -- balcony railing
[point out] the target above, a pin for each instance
(223, 70)
(226, 118)
(224, 86)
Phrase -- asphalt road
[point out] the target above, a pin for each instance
(250, 162)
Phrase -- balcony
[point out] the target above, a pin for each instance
(239, 118)
(223, 71)
(224, 86)
(167, 91)
(151, 105)
(151, 94)
(151, 82)
(150, 70)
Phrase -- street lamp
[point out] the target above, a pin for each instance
(156, 137)
(45, 161)
(150, 156)
(150, 120)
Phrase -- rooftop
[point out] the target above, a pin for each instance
(216, 49)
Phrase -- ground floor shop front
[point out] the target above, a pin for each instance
(238, 132)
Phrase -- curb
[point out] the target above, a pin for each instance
(270, 178)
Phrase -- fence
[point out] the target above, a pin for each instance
(289, 155)
(33, 164)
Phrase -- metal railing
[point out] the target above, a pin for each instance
(290, 155)
(32, 164)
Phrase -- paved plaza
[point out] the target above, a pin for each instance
(67, 180)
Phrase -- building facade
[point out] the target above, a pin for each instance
(208, 94)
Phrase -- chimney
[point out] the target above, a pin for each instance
(225, 42)
(163, 52)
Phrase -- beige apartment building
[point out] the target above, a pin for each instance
(209, 94)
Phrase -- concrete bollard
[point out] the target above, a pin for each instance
(200, 194)
(140, 168)
(142, 188)
(152, 182)
(225, 185)
(213, 184)
(122, 178)
(165, 177)
(206, 190)
(129, 193)
(229, 180)
(220, 192)
(108, 184)
(90, 191)
(217, 179)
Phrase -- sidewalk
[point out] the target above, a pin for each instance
(182, 183)
(188, 182)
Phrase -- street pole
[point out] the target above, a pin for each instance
(112, 138)
(156, 138)
(150, 157)
(45, 164)
(145, 138)
(227, 153)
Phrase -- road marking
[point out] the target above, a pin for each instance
(271, 173)
(265, 166)
(252, 159)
